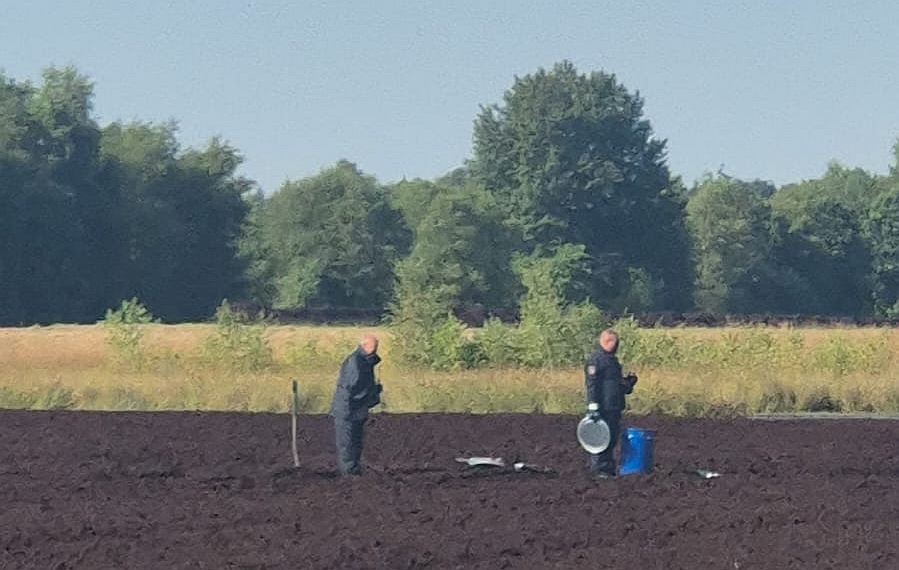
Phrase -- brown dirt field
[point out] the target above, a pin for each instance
(151, 491)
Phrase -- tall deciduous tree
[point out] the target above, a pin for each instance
(461, 257)
(461, 252)
(180, 216)
(729, 222)
(91, 216)
(14, 173)
(820, 240)
(880, 229)
(331, 240)
(51, 145)
(571, 159)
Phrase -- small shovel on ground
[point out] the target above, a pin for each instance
(519, 466)
(482, 461)
(522, 467)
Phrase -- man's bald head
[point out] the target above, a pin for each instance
(369, 343)
(608, 340)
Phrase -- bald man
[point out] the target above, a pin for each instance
(606, 390)
(357, 391)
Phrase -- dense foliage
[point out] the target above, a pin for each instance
(566, 207)
(91, 216)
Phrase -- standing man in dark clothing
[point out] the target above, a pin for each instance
(357, 391)
(606, 390)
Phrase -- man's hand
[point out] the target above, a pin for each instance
(374, 396)
(628, 382)
(593, 411)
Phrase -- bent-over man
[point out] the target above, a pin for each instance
(357, 391)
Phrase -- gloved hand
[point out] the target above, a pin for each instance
(374, 398)
(629, 381)
(593, 411)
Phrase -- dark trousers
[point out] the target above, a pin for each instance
(349, 432)
(604, 463)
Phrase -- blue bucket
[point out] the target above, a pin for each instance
(636, 451)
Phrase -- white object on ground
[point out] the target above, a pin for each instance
(707, 474)
(482, 461)
(522, 467)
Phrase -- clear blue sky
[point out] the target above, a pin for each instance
(769, 89)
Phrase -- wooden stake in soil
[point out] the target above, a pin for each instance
(294, 405)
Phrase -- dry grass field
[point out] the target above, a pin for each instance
(683, 371)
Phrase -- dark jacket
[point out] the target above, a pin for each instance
(605, 384)
(356, 390)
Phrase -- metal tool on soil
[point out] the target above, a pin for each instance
(706, 474)
(518, 466)
(482, 461)
(294, 407)
(522, 467)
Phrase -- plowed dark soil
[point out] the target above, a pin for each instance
(138, 491)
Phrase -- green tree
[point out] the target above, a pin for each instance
(180, 216)
(91, 216)
(730, 225)
(461, 257)
(820, 239)
(880, 228)
(571, 159)
(259, 281)
(50, 199)
(15, 123)
(553, 331)
(14, 168)
(331, 240)
(461, 252)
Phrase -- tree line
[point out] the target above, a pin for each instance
(565, 173)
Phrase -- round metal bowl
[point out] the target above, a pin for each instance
(593, 435)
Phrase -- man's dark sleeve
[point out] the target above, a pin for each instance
(627, 384)
(349, 376)
(592, 381)
(608, 374)
(360, 385)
